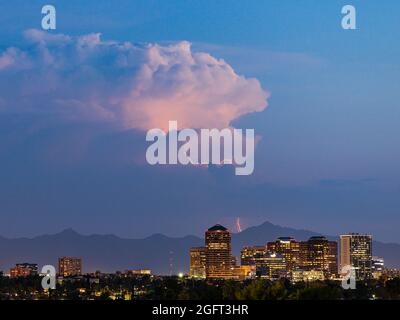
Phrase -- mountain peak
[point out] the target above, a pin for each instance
(68, 232)
(157, 236)
(267, 223)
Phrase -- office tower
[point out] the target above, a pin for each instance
(332, 258)
(378, 264)
(197, 262)
(271, 266)
(319, 254)
(289, 248)
(249, 254)
(24, 270)
(378, 267)
(356, 251)
(268, 264)
(69, 266)
(218, 253)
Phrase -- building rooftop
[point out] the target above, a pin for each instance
(217, 227)
(352, 234)
(317, 238)
(286, 239)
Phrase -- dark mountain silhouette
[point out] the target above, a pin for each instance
(110, 253)
(107, 253)
(265, 232)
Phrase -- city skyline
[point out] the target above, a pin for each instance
(314, 253)
(316, 258)
(303, 268)
(76, 102)
(311, 260)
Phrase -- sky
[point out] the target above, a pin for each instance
(75, 104)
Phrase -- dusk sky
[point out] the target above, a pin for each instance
(75, 104)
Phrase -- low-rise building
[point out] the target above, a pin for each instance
(24, 270)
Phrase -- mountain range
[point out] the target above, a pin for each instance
(160, 253)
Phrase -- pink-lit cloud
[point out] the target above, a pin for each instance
(132, 86)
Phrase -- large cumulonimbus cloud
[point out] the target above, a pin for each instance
(141, 87)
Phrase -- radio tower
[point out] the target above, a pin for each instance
(171, 262)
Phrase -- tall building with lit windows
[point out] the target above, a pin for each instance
(69, 266)
(197, 262)
(218, 253)
(332, 258)
(378, 267)
(289, 248)
(356, 251)
(271, 266)
(378, 264)
(250, 254)
(319, 254)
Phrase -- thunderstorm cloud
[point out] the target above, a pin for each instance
(131, 86)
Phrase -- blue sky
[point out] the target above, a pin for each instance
(329, 154)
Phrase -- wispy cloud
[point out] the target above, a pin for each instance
(339, 183)
(258, 60)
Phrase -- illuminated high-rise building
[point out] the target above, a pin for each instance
(267, 264)
(378, 267)
(332, 258)
(218, 253)
(378, 264)
(319, 254)
(24, 270)
(249, 254)
(69, 266)
(289, 248)
(356, 251)
(271, 266)
(198, 262)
